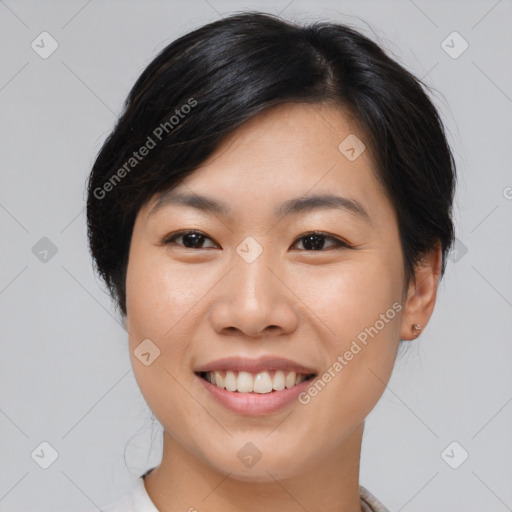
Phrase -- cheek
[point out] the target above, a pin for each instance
(158, 294)
(157, 299)
(360, 308)
(350, 297)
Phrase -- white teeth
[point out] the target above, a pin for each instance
(244, 382)
(262, 382)
(278, 382)
(219, 379)
(290, 379)
(299, 378)
(230, 381)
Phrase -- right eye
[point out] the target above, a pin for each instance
(192, 239)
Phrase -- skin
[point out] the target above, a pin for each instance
(201, 304)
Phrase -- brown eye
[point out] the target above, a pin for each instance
(191, 239)
(316, 241)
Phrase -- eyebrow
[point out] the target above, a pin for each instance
(290, 207)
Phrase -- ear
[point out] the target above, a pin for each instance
(421, 294)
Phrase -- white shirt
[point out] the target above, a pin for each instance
(137, 500)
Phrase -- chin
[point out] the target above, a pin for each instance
(266, 469)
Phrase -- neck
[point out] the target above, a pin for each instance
(182, 482)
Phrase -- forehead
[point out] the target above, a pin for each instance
(283, 154)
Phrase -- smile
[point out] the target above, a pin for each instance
(262, 382)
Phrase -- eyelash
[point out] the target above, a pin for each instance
(339, 243)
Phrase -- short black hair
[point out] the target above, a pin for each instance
(208, 82)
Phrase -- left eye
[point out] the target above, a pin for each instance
(315, 241)
(311, 241)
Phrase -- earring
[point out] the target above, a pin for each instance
(416, 328)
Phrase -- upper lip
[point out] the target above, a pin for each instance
(255, 365)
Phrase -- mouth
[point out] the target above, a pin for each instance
(255, 386)
(264, 382)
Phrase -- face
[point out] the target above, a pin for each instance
(316, 287)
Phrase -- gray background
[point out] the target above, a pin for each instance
(65, 373)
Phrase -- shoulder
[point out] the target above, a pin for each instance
(124, 504)
(135, 500)
(369, 502)
(138, 500)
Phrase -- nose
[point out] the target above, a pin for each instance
(254, 299)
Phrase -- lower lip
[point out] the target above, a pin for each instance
(255, 404)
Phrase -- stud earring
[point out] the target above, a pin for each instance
(416, 328)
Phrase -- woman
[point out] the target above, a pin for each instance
(272, 214)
